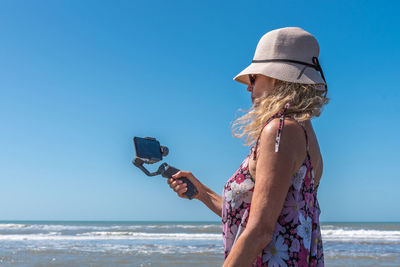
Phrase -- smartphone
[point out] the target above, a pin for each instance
(148, 149)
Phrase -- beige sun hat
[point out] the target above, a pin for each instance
(288, 54)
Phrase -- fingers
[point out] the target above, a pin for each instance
(177, 175)
(178, 186)
(174, 182)
(181, 174)
(182, 191)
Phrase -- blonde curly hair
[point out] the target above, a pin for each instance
(306, 102)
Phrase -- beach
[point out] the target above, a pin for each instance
(74, 243)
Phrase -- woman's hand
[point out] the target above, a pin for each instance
(211, 199)
(180, 188)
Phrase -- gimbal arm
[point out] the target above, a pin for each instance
(139, 163)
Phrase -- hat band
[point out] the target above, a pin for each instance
(316, 66)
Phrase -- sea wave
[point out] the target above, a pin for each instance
(360, 235)
(136, 249)
(20, 231)
(66, 227)
(113, 235)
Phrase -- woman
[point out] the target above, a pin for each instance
(279, 178)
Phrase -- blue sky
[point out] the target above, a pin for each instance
(79, 79)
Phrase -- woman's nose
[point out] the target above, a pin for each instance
(249, 88)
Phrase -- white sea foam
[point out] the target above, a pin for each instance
(327, 235)
(145, 249)
(61, 227)
(53, 227)
(359, 235)
(167, 249)
(164, 236)
(113, 235)
(9, 231)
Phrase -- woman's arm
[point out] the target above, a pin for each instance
(274, 170)
(211, 199)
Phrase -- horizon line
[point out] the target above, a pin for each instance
(171, 221)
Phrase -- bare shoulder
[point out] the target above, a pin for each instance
(291, 127)
(291, 134)
(291, 144)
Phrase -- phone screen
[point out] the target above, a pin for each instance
(147, 149)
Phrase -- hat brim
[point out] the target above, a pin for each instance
(285, 71)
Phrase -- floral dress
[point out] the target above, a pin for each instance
(297, 236)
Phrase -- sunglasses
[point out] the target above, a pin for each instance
(252, 78)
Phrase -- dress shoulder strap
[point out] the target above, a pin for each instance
(307, 144)
(281, 114)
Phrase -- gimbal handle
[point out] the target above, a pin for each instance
(167, 171)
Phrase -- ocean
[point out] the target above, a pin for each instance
(61, 243)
